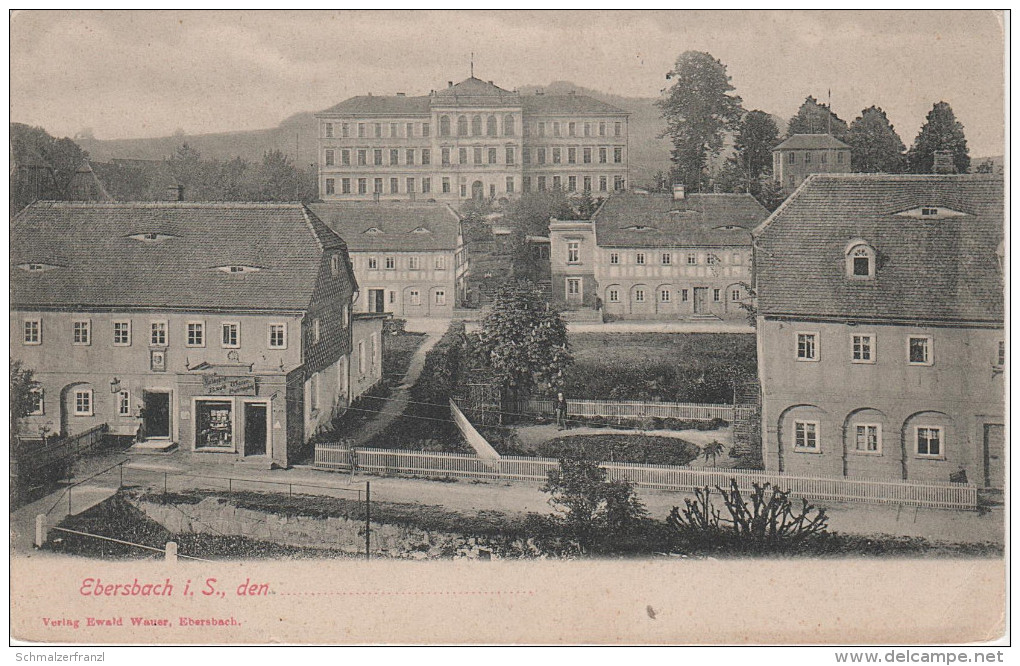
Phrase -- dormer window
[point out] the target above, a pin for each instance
(150, 237)
(420, 230)
(640, 227)
(860, 261)
(35, 267)
(930, 213)
(238, 269)
(373, 230)
(334, 265)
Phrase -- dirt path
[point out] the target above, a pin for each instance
(398, 399)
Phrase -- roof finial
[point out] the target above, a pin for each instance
(472, 64)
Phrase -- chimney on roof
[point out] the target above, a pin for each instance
(678, 192)
(175, 193)
(449, 84)
(944, 162)
(401, 95)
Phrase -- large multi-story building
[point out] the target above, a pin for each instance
(409, 258)
(657, 256)
(804, 154)
(472, 140)
(880, 328)
(224, 328)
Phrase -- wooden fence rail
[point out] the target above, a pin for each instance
(332, 456)
(630, 409)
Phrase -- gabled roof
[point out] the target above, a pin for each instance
(85, 185)
(943, 269)
(812, 142)
(657, 220)
(568, 105)
(387, 105)
(392, 226)
(99, 264)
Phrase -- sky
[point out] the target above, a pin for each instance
(146, 74)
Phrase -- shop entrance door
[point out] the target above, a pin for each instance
(157, 414)
(254, 429)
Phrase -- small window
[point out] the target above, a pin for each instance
(331, 186)
(440, 297)
(33, 332)
(692, 259)
(415, 297)
(37, 401)
(639, 295)
(391, 263)
(805, 435)
(573, 252)
(278, 336)
(157, 334)
(122, 334)
(860, 262)
(329, 130)
(330, 158)
(83, 402)
(862, 348)
(930, 441)
(684, 295)
(573, 287)
(1000, 359)
(334, 265)
(735, 295)
(124, 403)
(868, 438)
(664, 295)
(807, 346)
(614, 257)
(919, 350)
(640, 259)
(717, 295)
(667, 258)
(373, 263)
(231, 335)
(413, 263)
(711, 259)
(929, 212)
(440, 263)
(195, 334)
(614, 296)
(81, 332)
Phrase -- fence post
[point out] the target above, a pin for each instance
(171, 551)
(368, 519)
(40, 530)
(121, 484)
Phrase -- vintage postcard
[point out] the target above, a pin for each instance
(451, 327)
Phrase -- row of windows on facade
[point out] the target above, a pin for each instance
(791, 157)
(920, 349)
(664, 295)
(194, 334)
(414, 297)
(474, 127)
(930, 440)
(665, 258)
(479, 155)
(411, 263)
(348, 185)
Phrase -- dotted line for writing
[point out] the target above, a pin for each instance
(407, 593)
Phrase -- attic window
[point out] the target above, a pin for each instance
(930, 213)
(639, 227)
(35, 267)
(150, 237)
(373, 230)
(730, 227)
(860, 261)
(421, 230)
(238, 269)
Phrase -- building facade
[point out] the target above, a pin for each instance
(804, 154)
(220, 328)
(409, 258)
(472, 140)
(880, 329)
(658, 256)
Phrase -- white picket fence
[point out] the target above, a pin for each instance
(330, 456)
(630, 409)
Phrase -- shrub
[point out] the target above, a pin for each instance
(633, 448)
(764, 523)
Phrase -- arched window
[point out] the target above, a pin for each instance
(462, 126)
(860, 261)
(476, 126)
(490, 126)
(508, 125)
(444, 126)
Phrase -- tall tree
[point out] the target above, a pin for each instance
(813, 117)
(23, 384)
(756, 137)
(698, 108)
(941, 131)
(529, 216)
(875, 147)
(523, 342)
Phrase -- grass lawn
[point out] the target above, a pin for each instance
(673, 367)
(397, 352)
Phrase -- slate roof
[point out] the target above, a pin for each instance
(471, 92)
(657, 220)
(98, 264)
(396, 221)
(812, 142)
(942, 270)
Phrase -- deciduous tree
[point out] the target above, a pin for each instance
(698, 108)
(756, 137)
(813, 117)
(941, 131)
(875, 147)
